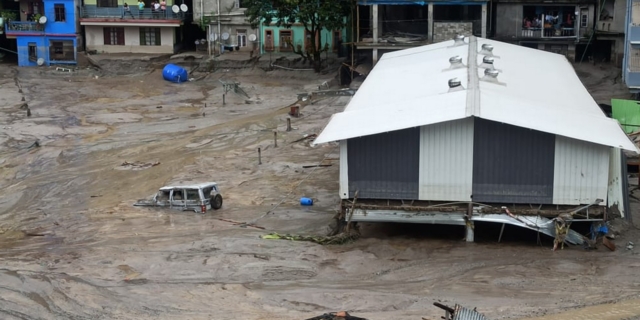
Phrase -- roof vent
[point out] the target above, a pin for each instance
(487, 50)
(487, 63)
(458, 40)
(455, 85)
(491, 75)
(456, 62)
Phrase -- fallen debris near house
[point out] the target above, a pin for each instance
(459, 313)
(342, 315)
(341, 238)
(241, 224)
(137, 165)
(305, 137)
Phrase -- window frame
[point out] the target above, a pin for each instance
(60, 12)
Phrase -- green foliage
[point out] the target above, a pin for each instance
(205, 20)
(8, 15)
(314, 15)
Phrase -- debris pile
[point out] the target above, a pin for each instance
(342, 315)
(459, 313)
(341, 238)
(137, 165)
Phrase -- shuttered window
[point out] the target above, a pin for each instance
(149, 36)
(114, 36)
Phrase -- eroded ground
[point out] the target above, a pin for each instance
(73, 246)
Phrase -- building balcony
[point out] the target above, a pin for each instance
(91, 13)
(17, 28)
(633, 35)
(547, 33)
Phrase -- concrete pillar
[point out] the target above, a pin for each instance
(375, 56)
(430, 22)
(374, 14)
(484, 20)
(470, 234)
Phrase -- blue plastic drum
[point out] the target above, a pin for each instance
(174, 73)
(306, 201)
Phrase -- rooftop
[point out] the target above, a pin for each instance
(501, 82)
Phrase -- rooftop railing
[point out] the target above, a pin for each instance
(26, 26)
(132, 13)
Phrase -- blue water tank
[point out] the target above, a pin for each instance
(174, 73)
(306, 201)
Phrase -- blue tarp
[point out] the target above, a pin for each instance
(174, 73)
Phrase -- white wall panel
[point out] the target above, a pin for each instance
(446, 161)
(581, 172)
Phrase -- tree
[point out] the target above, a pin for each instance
(314, 15)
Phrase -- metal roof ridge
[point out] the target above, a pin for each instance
(473, 86)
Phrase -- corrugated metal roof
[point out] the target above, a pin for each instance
(462, 313)
(538, 90)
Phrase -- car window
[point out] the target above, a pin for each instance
(207, 191)
(193, 194)
(163, 195)
(177, 194)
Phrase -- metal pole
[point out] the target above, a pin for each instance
(288, 124)
(223, 102)
(259, 156)
(219, 32)
(275, 139)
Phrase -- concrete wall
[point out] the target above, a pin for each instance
(617, 10)
(298, 35)
(509, 18)
(95, 41)
(42, 50)
(444, 31)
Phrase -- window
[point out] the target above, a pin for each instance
(114, 36)
(61, 50)
(33, 51)
(107, 3)
(149, 36)
(193, 194)
(60, 13)
(336, 41)
(268, 40)
(242, 37)
(584, 18)
(34, 7)
(238, 4)
(286, 39)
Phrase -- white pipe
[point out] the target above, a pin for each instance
(219, 33)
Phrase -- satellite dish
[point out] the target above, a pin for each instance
(42, 20)
(197, 42)
(184, 7)
(252, 37)
(175, 8)
(40, 61)
(213, 37)
(203, 41)
(225, 36)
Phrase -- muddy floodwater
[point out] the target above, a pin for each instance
(73, 246)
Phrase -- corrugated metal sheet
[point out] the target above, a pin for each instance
(581, 172)
(462, 313)
(344, 170)
(384, 166)
(446, 161)
(408, 88)
(512, 164)
(616, 200)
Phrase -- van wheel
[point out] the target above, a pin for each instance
(216, 202)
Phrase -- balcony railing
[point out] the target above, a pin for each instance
(547, 32)
(24, 26)
(133, 13)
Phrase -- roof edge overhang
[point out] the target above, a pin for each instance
(628, 145)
